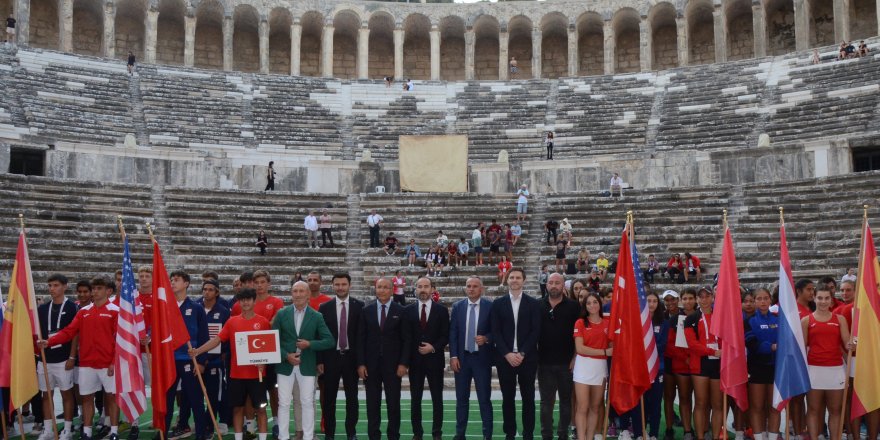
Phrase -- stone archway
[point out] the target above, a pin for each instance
(310, 43)
(862, 19)
(591, 44)
(209, 35)
(519, 45)
(417, 47)
(88, 27)
(246, 39)
(625, 25)
(171, 32)
(740, 29)
(554, 45)
(486, 47)
(701, 32)
(664, 36)
(130, 28)
(780, 26)
(44, 22)
(380, 62)
(345, 37)
(452, 48)
(821, 19)
(280, 20)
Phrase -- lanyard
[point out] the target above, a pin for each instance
(60, 311)
(705, 327)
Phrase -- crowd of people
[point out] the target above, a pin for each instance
(559, 341)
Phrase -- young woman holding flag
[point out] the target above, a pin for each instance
(762, 331)
(705, 366)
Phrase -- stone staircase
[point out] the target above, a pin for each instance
(137, 108)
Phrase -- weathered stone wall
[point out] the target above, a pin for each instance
(520, 46)
(665, 47)
(310, 55)
(863, 19)
(88, 31)
(279, 52)
(209, 45)
(43, 22)
(170, 40)
(129, 36)
(591, 53)
(780, 30)
(627, 52)
(452, 59)
(381, 56)
(741, 42)
(246, 50)
(344, 56)
(416, 57)
(821, 22)
(702, 41)
(486, 58)
(6, 8)
(554, 56)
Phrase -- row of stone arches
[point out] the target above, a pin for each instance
(345, 44)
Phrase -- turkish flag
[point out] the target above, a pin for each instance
(261, 343)
(168, 334)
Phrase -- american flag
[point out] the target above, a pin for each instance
(129, 371)
(647, 323)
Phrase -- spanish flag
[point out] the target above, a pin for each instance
(21, 312)
(866, 327)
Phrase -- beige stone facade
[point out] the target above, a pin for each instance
(350, 39)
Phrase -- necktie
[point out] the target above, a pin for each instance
(382, 321)
(343, 328)
(470, 339)
(424, 320)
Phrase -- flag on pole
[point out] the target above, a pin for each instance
(22, 314)
(168, 334)
(866, 328)
(651, 354)
(791, 376)
(727, 325)
(128, 368)
(630, 375)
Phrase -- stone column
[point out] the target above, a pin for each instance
(573, 61)
(109, 30)
(720, 35)
(189, 41)
(503, 58)
(22, 9)
(264, 46)
(759, 24)
(801, 25)
(610, 43)
(537, 39)
(841, 20)
(228, 33)
(683, 49)
(151, 29)
(398, 53)
(435, 53)
(363, 52)
(469, 42)
(645, 61)
(295, 42)
(327, 51)
(65, 25)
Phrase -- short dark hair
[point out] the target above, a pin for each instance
(518, 269)
(213, 283)
(826, 280)
(83, 283)
(181, 274)
(246, 276)
(58, 277)
(802, 283)
(210, 274)
(341, 275)
(246, 294)
(102, 280)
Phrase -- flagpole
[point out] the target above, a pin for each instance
(153, 239)
(20, 423)
(849, 353)
(49, 390)
(195, 366)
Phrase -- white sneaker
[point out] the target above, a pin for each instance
(224, 428)
(597, 437)
(625, 435)
(65, 435)
(46, 435)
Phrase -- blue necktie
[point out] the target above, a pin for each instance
(471, 343)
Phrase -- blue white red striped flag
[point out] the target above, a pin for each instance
(651, 355)
(129, 370)
(791, 375)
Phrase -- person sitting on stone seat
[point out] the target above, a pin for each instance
(439, 262)
(602, 265)
(863, 49)
(262, 242)
(452, 253)
(583, 260)
(841, 51)
(675, 268)
(442, 239)
(412, 252)
(693, 269)
(390, 244)
(463, 249)
(430, 258)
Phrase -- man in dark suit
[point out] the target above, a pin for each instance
(429, 326)
(516, 327)
(343, 317)
(383, 358)
(470, 352)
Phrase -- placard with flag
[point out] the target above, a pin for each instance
(257, 347)
(128, 369)
(866, 328)
(21, 314)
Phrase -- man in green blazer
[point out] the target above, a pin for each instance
(303, 333)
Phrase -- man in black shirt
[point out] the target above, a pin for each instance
(60, 359)
(10, 29)
(555, 353)
(551, 226)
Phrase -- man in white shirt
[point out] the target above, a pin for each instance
(374, 221)
(616, 185)
(311, 225)
(522, 203)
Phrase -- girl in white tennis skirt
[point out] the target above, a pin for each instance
(590, 366)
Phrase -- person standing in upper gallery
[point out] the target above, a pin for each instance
(373, 221)
(270, 177)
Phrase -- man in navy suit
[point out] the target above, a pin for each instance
(429, 326)
(470, 351)
(516, 327)
(342, 315)
(383, 358)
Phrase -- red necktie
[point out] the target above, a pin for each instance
(424, 320)
(382, 321)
